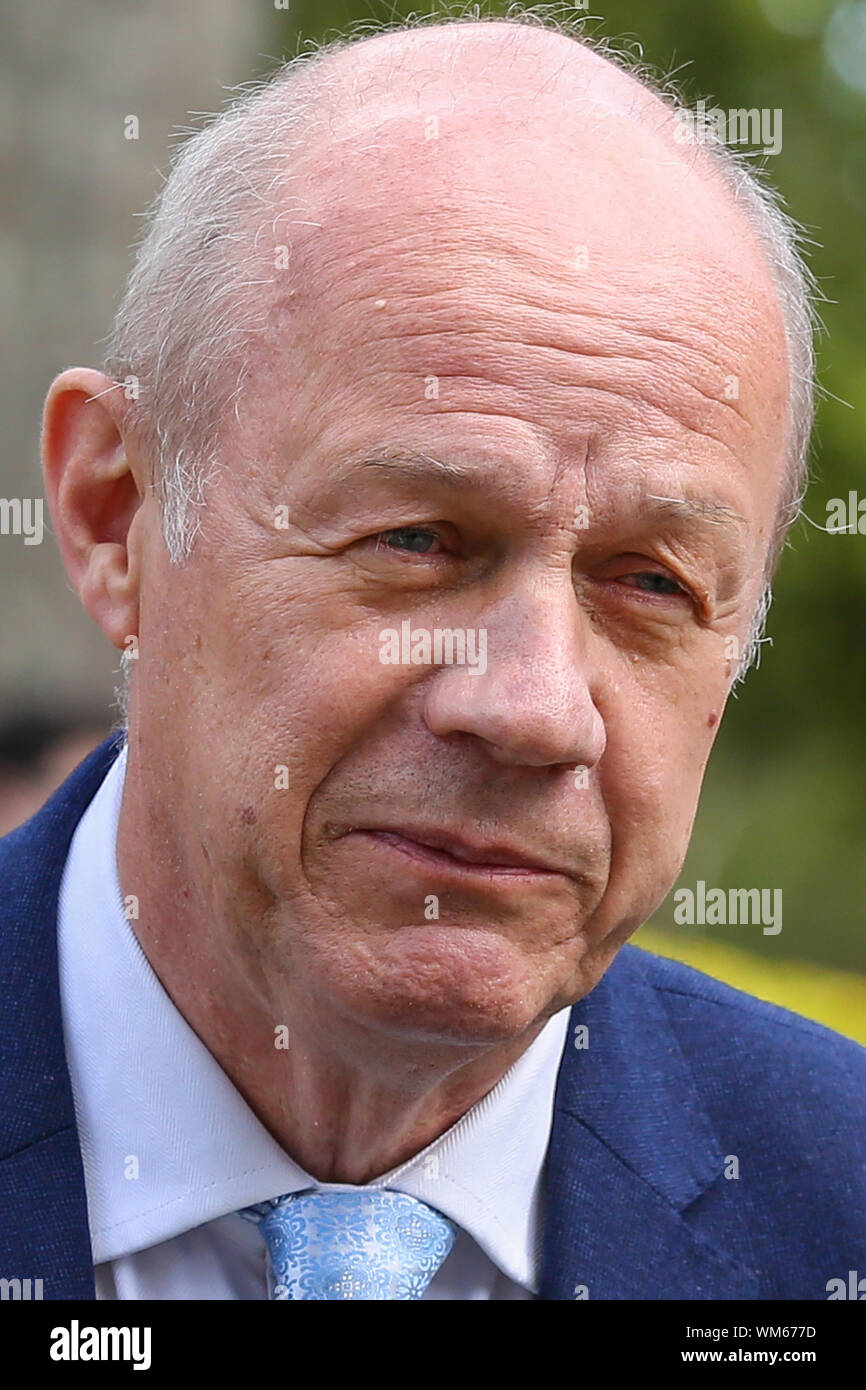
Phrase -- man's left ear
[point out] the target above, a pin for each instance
(93, 496)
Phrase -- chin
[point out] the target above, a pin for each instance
(454, 985)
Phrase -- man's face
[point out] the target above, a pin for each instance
(613, 423)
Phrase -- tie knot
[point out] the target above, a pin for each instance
(362, 1243)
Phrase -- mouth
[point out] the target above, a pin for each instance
(449, 854)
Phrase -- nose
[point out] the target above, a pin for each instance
(533, 703)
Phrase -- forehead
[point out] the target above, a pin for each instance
(563, 251)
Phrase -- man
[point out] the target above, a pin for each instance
(453, 420)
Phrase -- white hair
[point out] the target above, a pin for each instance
(195, 299)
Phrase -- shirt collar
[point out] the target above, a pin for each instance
(168, 1142)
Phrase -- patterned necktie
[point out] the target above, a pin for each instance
(364, 1243)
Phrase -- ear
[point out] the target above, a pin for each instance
(94, 496)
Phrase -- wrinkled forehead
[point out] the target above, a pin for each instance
(519, 194)
(469, 139)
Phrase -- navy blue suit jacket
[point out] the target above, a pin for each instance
(684, 1083)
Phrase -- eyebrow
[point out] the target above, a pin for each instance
(416, 466)
(697, 509)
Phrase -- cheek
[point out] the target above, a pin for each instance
(651, 779)
(277, 659)
(299, 698)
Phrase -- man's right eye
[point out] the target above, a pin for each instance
(413, 539)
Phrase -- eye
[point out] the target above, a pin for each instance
(416, 540)
(652, 582)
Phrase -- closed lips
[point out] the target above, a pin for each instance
(485, 856)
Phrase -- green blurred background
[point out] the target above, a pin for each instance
(783, 804)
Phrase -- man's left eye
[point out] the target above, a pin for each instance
(415, 539)
(651, 582)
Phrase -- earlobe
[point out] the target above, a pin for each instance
(94, 496)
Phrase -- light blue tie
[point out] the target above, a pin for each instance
(364, 1243)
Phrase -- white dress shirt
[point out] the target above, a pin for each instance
(171, 1150)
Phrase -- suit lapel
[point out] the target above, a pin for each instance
(632, 1151)
(42, 1190)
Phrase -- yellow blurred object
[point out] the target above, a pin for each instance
(831, 997)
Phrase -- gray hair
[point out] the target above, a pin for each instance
(194, 304)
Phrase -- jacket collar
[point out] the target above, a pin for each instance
(39, 1150)
(632, 1151)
